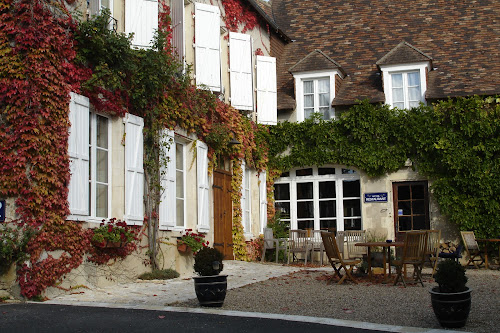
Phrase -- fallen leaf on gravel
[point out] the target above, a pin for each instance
(161, 317)
(155, 295)
(348, 311)
(285, 309)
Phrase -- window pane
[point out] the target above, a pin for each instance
(352, 224)
(417, 192)
(327, 208)
(414, 94)
(403, 192)
(352, 207)
(305, 209)
(282, 191)
(304, 191)
(329, 225)
(418, 207)
(308, 87)
(308, 101)
(348, 171)
(101, 200)
(324, 86)
(102, 166)
(180, 212)
(179, 184)
(102, 132)
(307, 224)
(399, 105)
(304, 172)
(179, 156)
(283, 208)
(397, 80)
(405, 206)
(350, 188)
(397, 96)
(419, 222)
(324, 100)
(285, 174)
(308, 113)
(414, 79)
(414, 104)
(326, 171)
(404, 223)
(105, 3)
(327, 190)
(326, 112)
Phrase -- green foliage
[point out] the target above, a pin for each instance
(13, 243)
(204, 261)
(280, 228)
(455, 142)
(160, 274)
(195, 241)
(114, 231)
(450, 276)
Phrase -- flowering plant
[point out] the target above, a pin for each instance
(115, 231)
(195, 241)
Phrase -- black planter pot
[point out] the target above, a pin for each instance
(451, 309)
(210, 290)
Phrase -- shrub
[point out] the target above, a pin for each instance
(160, 274)
(450, 276)
(13, 242)
(204, 261)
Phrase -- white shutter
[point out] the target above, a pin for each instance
(266, 91)
(207, 46)
(134, 172)
(240, 60)
(167, 209)
(141, 18)
(78, 150)
(263, 201)
(244, 197)
(203, 186)
(177, 15)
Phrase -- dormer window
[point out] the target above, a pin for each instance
(315, 85)
(404, 71)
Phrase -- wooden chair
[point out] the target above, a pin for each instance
(432, 252)
(271, 243)
(339, 236)
(352, 237)
(298, 243)
(317, 245)
(335, 258)
(413, 254)
(472, 249)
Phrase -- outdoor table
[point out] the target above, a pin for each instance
(387, 255)
(487, 241)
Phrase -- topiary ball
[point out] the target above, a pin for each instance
(208, 261)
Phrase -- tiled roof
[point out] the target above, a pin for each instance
(461, 37)
(316, 60)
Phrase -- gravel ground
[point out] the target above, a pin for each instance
(306, 293)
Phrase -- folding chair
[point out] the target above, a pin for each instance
(352, 237)
(298, 243)
(335, 259)
(271, 243)
(413, 254)
(472, 249)
(432, 252)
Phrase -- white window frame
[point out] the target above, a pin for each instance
(315, 178)
(93, 168)
(203, 187)
(388, 70)
(299, 89)
(95, 7)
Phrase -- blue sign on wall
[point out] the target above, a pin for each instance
(2, 210)
(376, 197)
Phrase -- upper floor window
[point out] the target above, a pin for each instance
(97, 6)
(405, 85)
(314, 93)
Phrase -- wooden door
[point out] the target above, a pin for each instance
(223, 213)
(411, 207)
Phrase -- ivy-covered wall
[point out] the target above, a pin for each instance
(455, 143)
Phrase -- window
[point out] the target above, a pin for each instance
(96, 7)
(141, 19)
(315, 92)
(245, 199)
(267, 107)
(180, 188)
(91, 165)
(405, 85)
(99, 165)
(240, 73)
(411, 204)
(320, 198)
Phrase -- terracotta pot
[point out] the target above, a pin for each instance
(109, 244)
(183, 248)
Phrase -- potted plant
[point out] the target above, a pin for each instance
(191, 241)
(210, 287)
(115, 233)
(451, 299)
